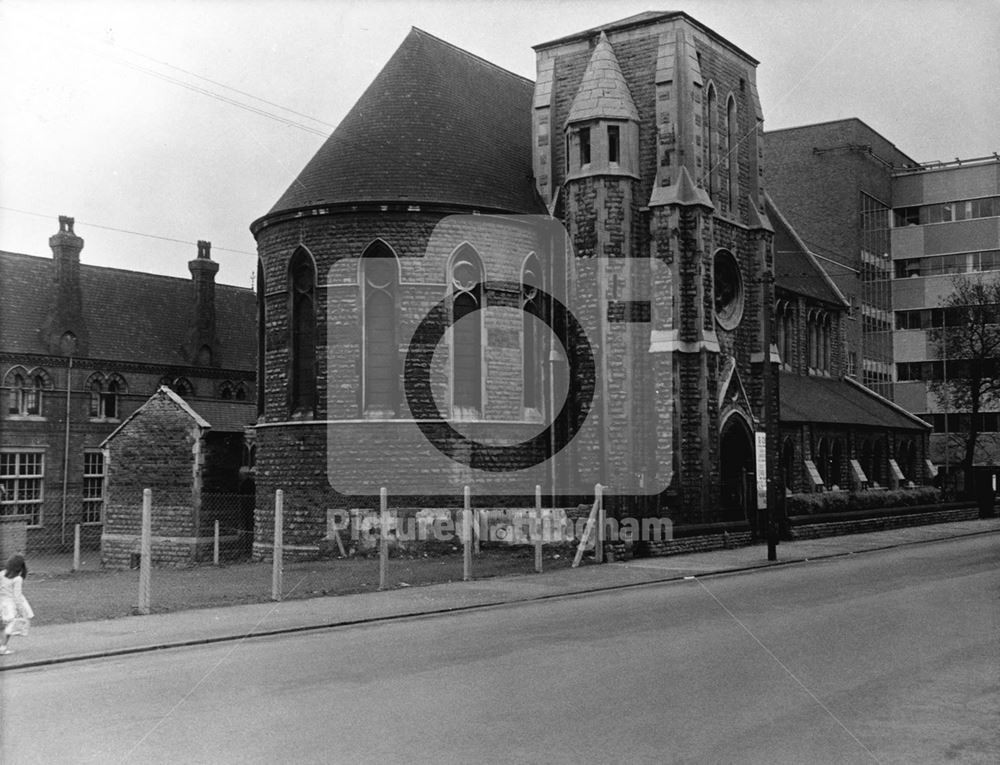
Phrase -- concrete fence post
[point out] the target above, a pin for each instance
(537, 532)
(215, 545)
(383, 550)
(145, 551)
(477, 519)
(599, 538)
(467, 534)
(76, 547)
(279, 544)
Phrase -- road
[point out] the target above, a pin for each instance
(885, 657)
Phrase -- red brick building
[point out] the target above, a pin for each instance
(835, 432)
(641, 139)
(81, 348)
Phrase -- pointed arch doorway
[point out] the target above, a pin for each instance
(737, 472)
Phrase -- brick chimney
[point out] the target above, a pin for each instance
(64, 331)
(202, 347)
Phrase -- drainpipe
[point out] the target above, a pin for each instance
(65, 486)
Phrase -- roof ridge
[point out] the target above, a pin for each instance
(471, 55)
(769, 202)
(887, 402)
(116, 269)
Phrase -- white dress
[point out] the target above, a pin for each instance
(12, 600)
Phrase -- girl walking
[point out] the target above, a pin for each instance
(14, 608)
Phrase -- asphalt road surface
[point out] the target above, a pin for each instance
(888, 657)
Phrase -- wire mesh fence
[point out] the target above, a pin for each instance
(359, 550)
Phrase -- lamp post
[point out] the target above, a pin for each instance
(766, 308)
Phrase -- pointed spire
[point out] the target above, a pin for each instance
(684, 193)
(603, 92)
(757, 219)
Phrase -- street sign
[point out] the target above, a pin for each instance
(761, 443)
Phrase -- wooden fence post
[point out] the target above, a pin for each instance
(145, 551)
(279, 544)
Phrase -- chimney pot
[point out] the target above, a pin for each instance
(204, 249)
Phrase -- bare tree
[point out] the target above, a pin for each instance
(966, 338)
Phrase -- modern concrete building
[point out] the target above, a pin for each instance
(946, 221)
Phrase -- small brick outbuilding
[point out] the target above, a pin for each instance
(194, 463)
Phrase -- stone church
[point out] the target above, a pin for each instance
(482, 280)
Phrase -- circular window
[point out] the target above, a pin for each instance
(728, 290)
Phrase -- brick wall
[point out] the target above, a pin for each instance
(804, 530)
(159, 449)
(86, 433)
(607, 219)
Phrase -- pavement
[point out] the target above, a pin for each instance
(60, 643)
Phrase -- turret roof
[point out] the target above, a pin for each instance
(603, 92)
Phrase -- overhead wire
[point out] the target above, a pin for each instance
(126, 231)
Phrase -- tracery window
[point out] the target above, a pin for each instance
(380, 368)
(466, 284)
(532, 333)
(25, 391)
(302, 310)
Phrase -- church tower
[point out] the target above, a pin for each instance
(646, 145)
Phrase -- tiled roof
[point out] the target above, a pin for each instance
(130, 316)
(840, 402)
(225, 416)
(438, 124)
(795, 266)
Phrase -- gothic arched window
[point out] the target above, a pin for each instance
(25, 390)
(261, 336)
(104, 395)
(16, 384)
(532, 333)
(302, 324)
(379, 285)
(732, 155)
(466, 284)
(711, 128)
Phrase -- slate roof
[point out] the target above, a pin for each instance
(840, 402)
(603, 92)
(438, 124)
(130, 316)
(795, 266)
(226, 416)
(217, 416)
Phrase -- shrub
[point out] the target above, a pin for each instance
(841, 501)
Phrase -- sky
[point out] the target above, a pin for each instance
(157, 118)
